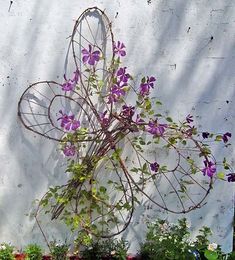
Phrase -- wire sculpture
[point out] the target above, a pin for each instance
(111, 168)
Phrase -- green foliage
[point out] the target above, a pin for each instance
(110, 249)
(167, 241)
(231, 256)
(33, 252)
(59, 251)
(172, 241)
(6, 252)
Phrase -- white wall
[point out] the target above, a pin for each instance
(195, 75)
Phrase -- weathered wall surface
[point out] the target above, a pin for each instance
(188, 45)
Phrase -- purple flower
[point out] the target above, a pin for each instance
(69, 150)
(119, 49)
(231, 177)
(104, 120)
(146, 85)
(189, 119)
(122, 75)
(71, 83)
(205, 135)
(156, 129)
(128, 111)
(209, 168)
(116, 93)
(90, 56)
(154, 166)
(226, 136)
(68, 122)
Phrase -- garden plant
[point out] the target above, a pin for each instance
(6, 252)
(59, 251)
(166, 240)
(33, 252)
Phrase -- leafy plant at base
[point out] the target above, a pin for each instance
(106, 249)
(6, 252)
(172, 241)
(59, 251)
(33, 252)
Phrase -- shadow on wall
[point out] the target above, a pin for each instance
(190, 46)
(186, 43)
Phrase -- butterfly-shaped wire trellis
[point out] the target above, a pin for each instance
(178, 190)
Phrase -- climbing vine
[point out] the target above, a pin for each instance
(119, 146)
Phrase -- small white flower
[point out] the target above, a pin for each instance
(188, 224)
(212, 247)
(215, 245)
(113, 252)
(2, 247)
(164, 227)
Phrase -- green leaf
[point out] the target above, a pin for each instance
(127, 206)
(158, 103)
(143, 80)
(211, 255)
(218, 138)
(134, 170)
(148, 104)
(220, 175)
(103, 189)
(100, 84)
(169, 119)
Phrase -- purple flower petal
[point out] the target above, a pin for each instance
(156, 129)
(128, 111)
(68, 122)
(231, 177)
(226, 136)
(209, 168)
(154, 166)
(189, 119)
(205, 135)
(69, 150)
(85, 59)
(119, 49)
(71, 83)
(89, 56)
(146, 85)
